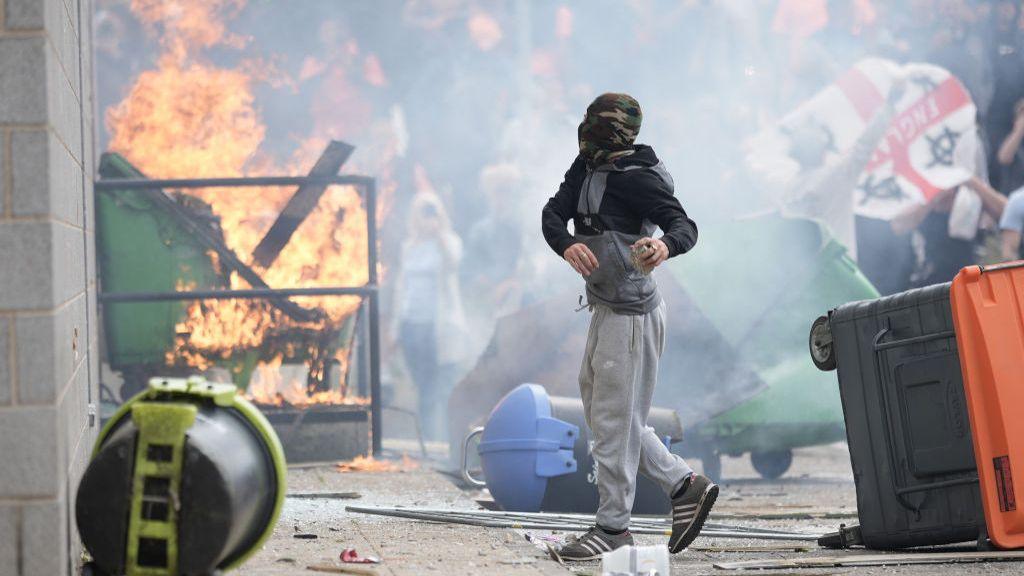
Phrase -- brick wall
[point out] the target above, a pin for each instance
(48, 343)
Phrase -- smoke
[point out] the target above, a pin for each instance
(458, 86)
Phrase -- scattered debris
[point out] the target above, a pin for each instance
(845, 537)
(785, 515)
(304, 536)
(488, 504)
(325, 495)
(875, 560)
(748, 549)
(350, 556)
(547, 543)
(543, 538)
(371, 464)
(569, 522)
(329, 569)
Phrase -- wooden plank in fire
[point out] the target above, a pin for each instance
(228, 259)
(301, 204)
(227, 256)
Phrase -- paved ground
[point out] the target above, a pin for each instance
(820, 482)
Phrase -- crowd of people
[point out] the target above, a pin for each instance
(467, 110)
(712, 73)
(980, 43)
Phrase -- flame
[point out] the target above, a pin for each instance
(370, 464)
(270, 386)
(189, 118)
(189, 25)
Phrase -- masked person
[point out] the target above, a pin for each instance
(615, 193)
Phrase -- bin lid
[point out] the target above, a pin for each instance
(522, 446)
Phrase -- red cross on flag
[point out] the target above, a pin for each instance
(928, 146)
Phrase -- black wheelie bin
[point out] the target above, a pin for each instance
(906, 417)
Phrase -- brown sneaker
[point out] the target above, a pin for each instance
(689, 511)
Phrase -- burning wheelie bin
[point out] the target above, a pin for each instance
(153, 243)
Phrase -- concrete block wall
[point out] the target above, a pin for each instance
(48, 320)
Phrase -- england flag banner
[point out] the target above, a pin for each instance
(929, 145)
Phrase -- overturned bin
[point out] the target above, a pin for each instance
(988, 312)
(187, 478)
(906, 417)
(535, 455)
(152, 243)
(930, 382)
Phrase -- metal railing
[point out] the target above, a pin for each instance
(367, 188)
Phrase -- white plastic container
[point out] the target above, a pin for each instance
(636, 561)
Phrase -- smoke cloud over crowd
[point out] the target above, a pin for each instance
(466, 112)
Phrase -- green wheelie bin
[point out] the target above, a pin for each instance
(142, 249)
(759, 281)
(146, 244)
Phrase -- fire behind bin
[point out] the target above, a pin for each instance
(535, 455)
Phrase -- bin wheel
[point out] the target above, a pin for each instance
(771, 464)
(823, 351)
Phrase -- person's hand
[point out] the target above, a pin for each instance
(1018, 115)
(654, 257)
(942, 196)
(975, 183)
(580, 258)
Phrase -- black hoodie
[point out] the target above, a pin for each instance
(624, 200)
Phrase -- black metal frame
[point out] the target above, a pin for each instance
(370, 291)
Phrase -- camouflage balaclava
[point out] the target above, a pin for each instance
(609, 128)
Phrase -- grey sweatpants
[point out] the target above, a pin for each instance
(620, 369)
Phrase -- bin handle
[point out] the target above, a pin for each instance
(465, 458)
(1002, 266)
(879, 345)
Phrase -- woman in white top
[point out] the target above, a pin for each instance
(428, 321)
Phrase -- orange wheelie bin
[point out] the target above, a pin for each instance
(988, 314)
